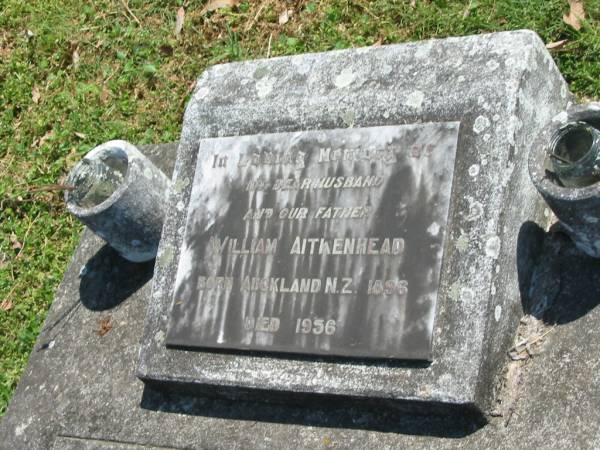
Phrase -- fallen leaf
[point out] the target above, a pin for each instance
(75, 58)
(105, 326)
(557, 45)
(471, 6)
(179, 21)
(576, 14)
(166, 50)
(6, 305)
(105, 94)
(213, 5)
(80, 135)
(44, 138)
(15, 242)
(284, 17)
(413, 3)
(35, 95)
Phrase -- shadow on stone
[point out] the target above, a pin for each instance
(322, 411)
(339, 360)
(107, 279)
(530, 243)
(558, 282)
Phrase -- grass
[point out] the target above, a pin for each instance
(74, 74)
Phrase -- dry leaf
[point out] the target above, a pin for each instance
(284, 17)
(75, 59)
(35, 95)
(557, 45)
(213, 5)
(105, 326)
(179, 21)
(80, 135)
(105, 94)
(576, 14)
(467, 11)
(413, 3)
(6, 305)
(15, 242)
(44, 138)
(166, 50)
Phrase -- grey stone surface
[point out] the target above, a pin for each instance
(80, 390)
(120, 194)
(578, 208)
(367, 288)
(501, 87)
(73, 443)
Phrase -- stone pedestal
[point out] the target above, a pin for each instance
(495, 91)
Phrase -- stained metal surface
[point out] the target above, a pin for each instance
(321, 242)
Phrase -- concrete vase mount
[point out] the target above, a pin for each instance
(564, 169)
(119, 194)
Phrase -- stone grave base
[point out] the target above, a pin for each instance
(80, 389)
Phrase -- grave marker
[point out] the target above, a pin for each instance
(218, 320)
(320, 242)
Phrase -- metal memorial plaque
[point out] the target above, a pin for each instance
(324, 242)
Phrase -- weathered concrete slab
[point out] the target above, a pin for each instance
(80, 390)
(73, 443)
(501, 88)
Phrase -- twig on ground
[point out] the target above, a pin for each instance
(253, 21)
(24, 240)
(124, 2)
(52, 187)
(368, 11)
(269, 45)
(523, 346)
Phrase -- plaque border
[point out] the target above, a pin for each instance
(452, 130)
